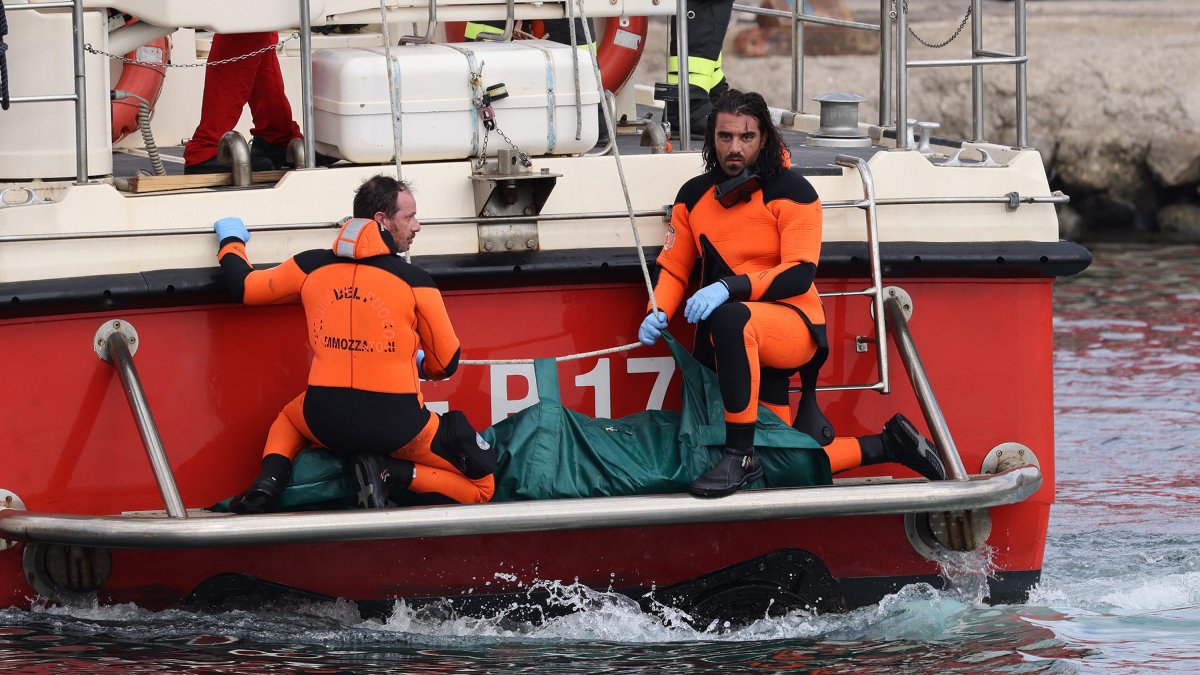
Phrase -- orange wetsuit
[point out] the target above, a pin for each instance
(765, 245)
(368, 312)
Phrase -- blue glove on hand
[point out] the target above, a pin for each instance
(421, 364)
(231, 227)
(652, 327)
(700, 305)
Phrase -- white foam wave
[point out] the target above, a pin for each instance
(1157, 593)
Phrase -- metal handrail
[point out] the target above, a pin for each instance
(306, 86)
(875, 290)
(934, 418)
(895, 32)
(79, 97)
(980, 57)
(510, 22)
(115, 338)
(430, 28)
(684, 75)
(835, 501)
(1056, 198)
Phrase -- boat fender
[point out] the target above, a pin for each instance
(144, 79)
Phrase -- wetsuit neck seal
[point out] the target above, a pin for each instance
(733, 191)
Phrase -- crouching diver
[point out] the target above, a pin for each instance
(368, 313)
(756, 226)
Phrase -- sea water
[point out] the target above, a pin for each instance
(1120, 588)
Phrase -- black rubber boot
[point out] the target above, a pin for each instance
(900, 442)
(735, 470)
(263, 150)
(737, 467)
(377, 476)
(265, 490)
(214, 166)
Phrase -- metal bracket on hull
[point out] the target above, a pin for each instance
(66, 573)
(507, 190)
(933, 534)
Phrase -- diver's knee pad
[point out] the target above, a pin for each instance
(458, 443)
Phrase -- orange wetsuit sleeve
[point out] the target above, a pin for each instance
(675, 262)
(799, 226)
(437, 334)
(277, 285)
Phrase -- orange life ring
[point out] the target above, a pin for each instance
(144, 80)
(618, 52)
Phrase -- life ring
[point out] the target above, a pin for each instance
(620, 49)
(618, 52)
(144, 80)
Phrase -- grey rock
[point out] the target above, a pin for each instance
(1175, 160)
(1180, 222)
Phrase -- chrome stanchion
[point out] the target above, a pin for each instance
(924, 390)
(116, 342)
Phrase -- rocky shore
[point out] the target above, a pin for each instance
(1114, 97)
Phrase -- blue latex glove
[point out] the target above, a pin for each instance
(652, 327)
(231, 227)
(421, 364)
(700, 305)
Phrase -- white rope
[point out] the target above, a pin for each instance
(394, 95)
(568, 357)
(393, 86)
(612, 130)
(575, 67)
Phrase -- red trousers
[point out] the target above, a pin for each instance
(230, 86)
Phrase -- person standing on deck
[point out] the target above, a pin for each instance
(369, 313)
(756, 226)
(707, 23)
(228, 87)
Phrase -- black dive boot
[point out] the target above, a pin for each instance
(265, 491)
(900, 442)
(737, 467)
(809, 418)
(377, 475)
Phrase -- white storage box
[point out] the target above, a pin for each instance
(352, 116)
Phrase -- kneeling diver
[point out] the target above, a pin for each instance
(368, 313)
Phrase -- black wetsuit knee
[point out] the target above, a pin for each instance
(457, 442)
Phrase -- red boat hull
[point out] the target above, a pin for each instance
(216, 375)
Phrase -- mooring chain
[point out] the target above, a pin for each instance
(202, 64)
(962, 24)
(525, 161)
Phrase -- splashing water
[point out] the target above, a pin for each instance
(1120, 589)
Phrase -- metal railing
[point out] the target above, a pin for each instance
(81, 163)
(980, 57)
(893, 49)
(875, 291)
(546, 515)
(115, 343)
(1057, 198)
(932, 412)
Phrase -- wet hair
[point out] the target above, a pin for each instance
(770, 159)
(376, 194)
